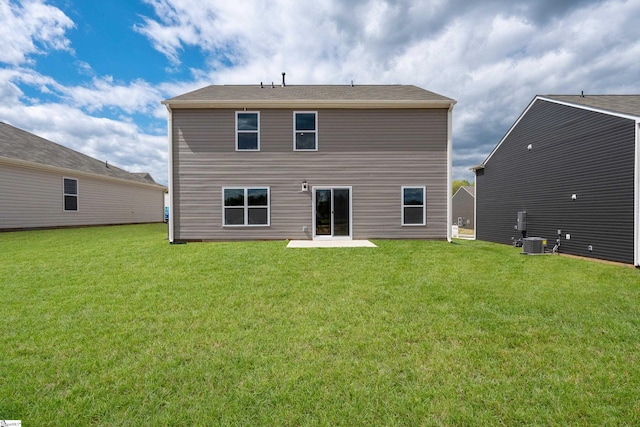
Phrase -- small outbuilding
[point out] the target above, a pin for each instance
(463, 207)
(567, 171)
(47, 185)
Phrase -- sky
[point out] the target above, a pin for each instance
(90, 74)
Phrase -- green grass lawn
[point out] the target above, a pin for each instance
(114, 326)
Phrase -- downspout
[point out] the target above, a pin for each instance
(475, 204)
(170, 174)
(636, 201)
(449, 167)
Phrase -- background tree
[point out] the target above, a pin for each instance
(457, 184)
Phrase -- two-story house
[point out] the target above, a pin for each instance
(568, 170)
(309, 162)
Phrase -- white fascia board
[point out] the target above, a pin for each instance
(306, 104)
(461, 189)
(481, 166)
(465, 189)
(458, 190)
(555, 101)
(589, 108)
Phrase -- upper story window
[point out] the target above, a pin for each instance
(414, 203)
(247, 131)
(70, 194)
(305, 131)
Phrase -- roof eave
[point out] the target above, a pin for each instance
(76, 172)
(549, 98)
(304, 103)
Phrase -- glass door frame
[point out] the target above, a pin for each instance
(313, 209)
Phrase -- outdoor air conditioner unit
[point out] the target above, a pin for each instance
(533, 245)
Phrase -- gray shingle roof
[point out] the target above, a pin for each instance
(362, 93)
(624, 104)
(21, 145)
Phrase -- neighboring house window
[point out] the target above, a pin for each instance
(245, 206)
(70, 194)
(414, 201)
(247, 131)
(305, 131)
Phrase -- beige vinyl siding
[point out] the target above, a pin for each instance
(32, 198)
(209, 130)
(375, 152)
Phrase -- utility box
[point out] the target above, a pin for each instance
(522, 221)
(533, 245)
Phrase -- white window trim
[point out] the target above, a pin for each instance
(424, 205)
(77, 195)
(246, 206)
(296, 131)
(247, 131)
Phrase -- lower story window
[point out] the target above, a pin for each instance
(414, 202)
(70, 194)
(246, 206)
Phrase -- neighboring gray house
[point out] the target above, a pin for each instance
(309, 162)
(462, 206)
(570, 166)
(46, 185)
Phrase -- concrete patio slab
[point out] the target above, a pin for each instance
(330, 244)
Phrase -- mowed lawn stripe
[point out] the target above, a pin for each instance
(112, 325)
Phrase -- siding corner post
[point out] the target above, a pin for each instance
(449, 168)
(170, 172)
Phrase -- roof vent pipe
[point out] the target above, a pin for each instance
(581, 94)
(283, 83)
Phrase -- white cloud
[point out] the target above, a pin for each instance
(29, 27)
(70, 113)
(135, 97)
(120, 143)
(101, 93)
(492, 57)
